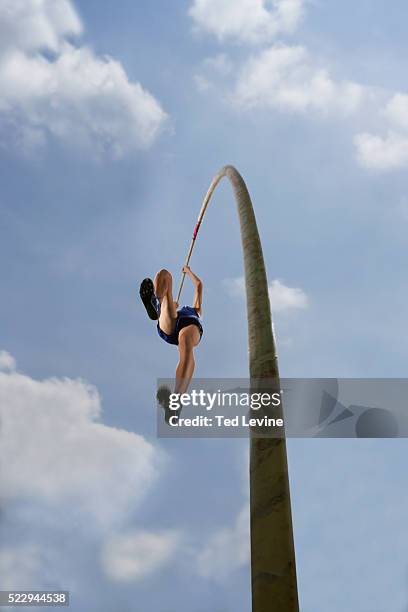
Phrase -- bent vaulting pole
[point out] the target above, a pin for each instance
(214, 183)
(273, 569)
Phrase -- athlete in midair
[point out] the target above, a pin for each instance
(179, 326)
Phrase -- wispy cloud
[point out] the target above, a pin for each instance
(382, 152)
(133, 554)
(7, 361)
(288, 78)
(282, 297)
(246, 21)
(227, 549)
(388, 151)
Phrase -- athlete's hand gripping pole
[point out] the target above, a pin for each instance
(183, 276)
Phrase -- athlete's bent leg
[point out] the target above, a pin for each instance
(163, 286)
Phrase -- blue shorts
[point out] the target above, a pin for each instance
(185, 316)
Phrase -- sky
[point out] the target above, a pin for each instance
(113, 121)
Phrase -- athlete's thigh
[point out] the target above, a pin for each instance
(168, 315)
(163, 282)
(163, 285)
(189, 336)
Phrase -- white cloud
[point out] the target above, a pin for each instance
(216, 66)
(36, 24)
(247, 21)
(282, 297)
(286, 298)
(133, 555)
(69, 478)
(390, 151)
(7, 361)
(288, 79)
(382, 153)
(235, 286)
(55, 451)
(227, 550)
(397, 110)
(220, 63)
(75, 96)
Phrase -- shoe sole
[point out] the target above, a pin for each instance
(146, 294)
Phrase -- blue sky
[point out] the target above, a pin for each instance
(112, 124)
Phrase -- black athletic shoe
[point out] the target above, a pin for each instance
(163, 397)
(149, 299)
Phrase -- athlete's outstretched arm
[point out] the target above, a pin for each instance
(198, 296)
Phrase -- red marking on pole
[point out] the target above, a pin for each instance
(197, 227)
